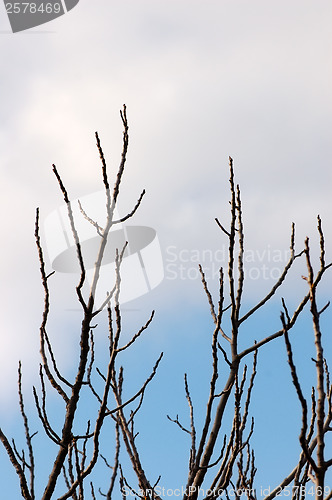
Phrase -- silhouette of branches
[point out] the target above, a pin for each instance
(221, 454)
(77, 454)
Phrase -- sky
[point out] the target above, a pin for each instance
(201, 82)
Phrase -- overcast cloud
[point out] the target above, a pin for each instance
(202, 81)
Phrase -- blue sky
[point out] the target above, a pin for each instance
(201, 82)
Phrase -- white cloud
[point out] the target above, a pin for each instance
(201, 81)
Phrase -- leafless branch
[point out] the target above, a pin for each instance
(28, 436)
(95, 224)
(299, 393)
(178, 423)
(134, 210)
(280, 280)
(45, 313)
(192, 425)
